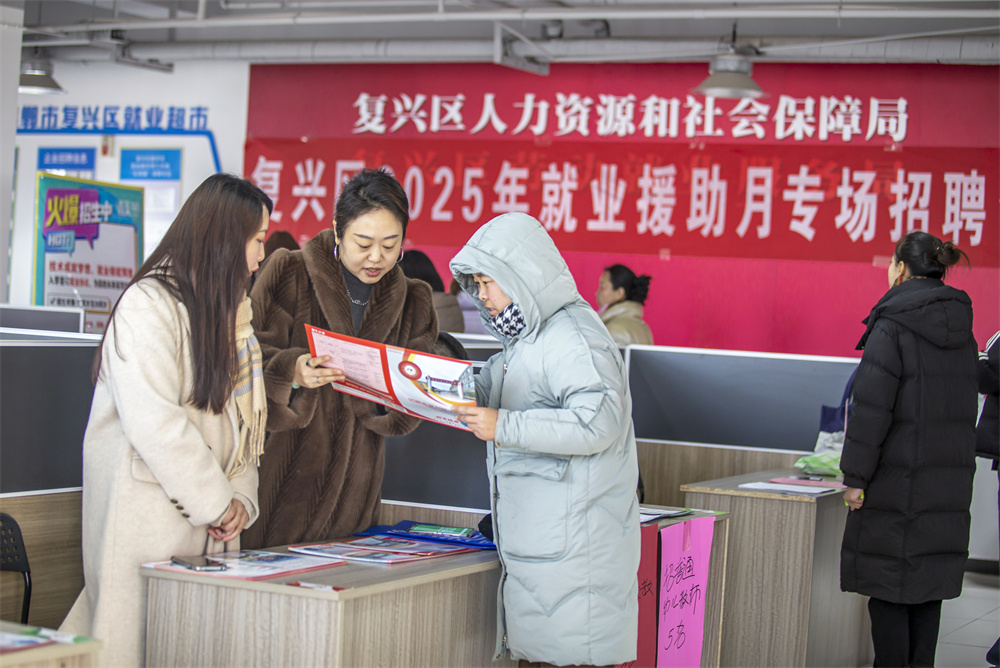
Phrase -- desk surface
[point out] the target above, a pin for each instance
(731, 487)
(352, 579)
(355, 579)
(439, 611)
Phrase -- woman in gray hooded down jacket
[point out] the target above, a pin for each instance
(555, 410)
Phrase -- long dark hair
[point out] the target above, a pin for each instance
(202, 263)
(636, 287)
(926, 255)
(367, 191)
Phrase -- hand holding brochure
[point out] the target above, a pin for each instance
(420, 384)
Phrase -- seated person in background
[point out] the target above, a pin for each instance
(279, 239)
(416, 264)
(448, 346)
(620, 297)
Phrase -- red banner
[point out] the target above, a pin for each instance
(756, 203)
(806, 104)
(848, 203)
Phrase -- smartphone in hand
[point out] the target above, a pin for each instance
(198, 563)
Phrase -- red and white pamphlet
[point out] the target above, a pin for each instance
(419, 384)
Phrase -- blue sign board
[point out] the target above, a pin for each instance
(151, 164)
(76, 159)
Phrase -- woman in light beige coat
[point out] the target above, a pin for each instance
(177, 421)
(620, 298)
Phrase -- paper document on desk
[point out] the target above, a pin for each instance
(252, 565)
(651, 514)
(780, 488)
(419, 384)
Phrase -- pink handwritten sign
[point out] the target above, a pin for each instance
(684, 557)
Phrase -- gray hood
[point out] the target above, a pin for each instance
(515, 251)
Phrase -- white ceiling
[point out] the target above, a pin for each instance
(528, 33)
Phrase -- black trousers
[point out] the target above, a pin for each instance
(904, 635)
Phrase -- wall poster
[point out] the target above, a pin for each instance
(88, 244)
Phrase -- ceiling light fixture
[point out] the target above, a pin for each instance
(729, 77)
(36, 78)
(729, 73)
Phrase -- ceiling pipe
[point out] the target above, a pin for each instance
(522, 15)
(968, 50)
(244, 5)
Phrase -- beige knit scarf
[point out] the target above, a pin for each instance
(248, 392)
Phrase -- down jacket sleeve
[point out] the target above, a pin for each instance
(584, 390)
(873, 400)
(141, 363)
(484, 381)
(986, 372)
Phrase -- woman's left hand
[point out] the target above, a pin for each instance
(854, 498)
(482, 421)
(232, 523)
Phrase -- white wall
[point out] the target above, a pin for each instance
(219, 86)
(10, 60)
(983, 543)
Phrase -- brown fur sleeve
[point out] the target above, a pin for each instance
(420, 333)
(277, 297)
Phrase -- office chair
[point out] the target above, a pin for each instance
(13, 557)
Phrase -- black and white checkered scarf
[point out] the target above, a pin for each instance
(509, 321)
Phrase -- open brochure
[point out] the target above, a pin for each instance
(12, 642)
(380, 549)
(252, 564)
(420, 384)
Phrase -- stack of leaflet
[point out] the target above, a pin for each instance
(252, 565)
(432, 532)
(792, 489)
(380, 549)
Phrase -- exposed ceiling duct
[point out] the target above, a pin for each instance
(529, 34)
(948, 50)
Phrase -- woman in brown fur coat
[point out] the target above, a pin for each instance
(321, 473)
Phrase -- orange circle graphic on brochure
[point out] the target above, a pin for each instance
(409, 369)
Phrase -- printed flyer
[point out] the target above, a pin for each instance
(420, 384)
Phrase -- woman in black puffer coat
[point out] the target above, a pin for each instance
(909, 453)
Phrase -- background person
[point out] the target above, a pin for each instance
(909, 453)
(988, 429)
(279, 239)
(554, 408)
(620, 298)
(177, 421)
(321, 476)
(416, 264)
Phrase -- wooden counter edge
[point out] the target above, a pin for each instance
(753, 493)
(267, 585)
